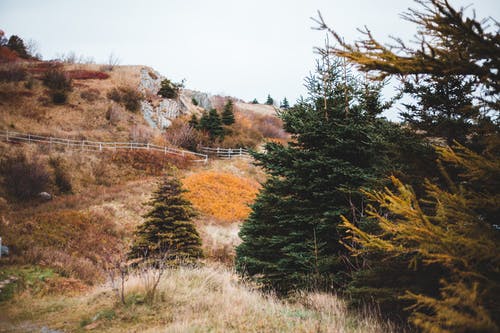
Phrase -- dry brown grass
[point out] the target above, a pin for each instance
(219, 241)
(206, 299)
(32, 111)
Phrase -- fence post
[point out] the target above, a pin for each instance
(7, 135)
(217, 152)
(100, 146)
(50, 143)
(241, 152)
(83, 143)
(29, 138)
(148, 146)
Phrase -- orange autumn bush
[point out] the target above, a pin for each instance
(221, 195)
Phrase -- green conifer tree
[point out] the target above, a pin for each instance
(455, 229)
(291, 239)
(16, 44)
(255, 101)
(228, 113)
(168, 227)
(284, 104)
(212, 124)
(269, 100)
(443, 107)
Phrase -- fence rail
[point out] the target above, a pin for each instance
(88, 145)
(226, 153)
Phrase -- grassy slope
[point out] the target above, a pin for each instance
(28, 111)
(202, 299)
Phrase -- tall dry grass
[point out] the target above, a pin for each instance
(203, 299)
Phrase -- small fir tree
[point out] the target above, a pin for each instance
(255, 101)
(228, 113)
(270, 100)
(284, 104)
(170, 89)
(211, 123)
(168, 228)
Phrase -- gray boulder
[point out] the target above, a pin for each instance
(4, 250)
(45, 196)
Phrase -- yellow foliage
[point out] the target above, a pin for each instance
(455, 234)
(222, 195)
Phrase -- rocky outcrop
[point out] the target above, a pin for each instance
(160, 114)
(203, 99)
(150, 81)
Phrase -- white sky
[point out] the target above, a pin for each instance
(245, 49)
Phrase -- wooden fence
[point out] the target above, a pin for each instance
(88, 145)
(226, 153)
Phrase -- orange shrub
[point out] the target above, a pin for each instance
(222, 195)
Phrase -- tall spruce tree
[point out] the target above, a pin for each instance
(168, 230)
(227, 116)
(291, 239)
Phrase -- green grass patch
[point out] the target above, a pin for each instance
(22, 278)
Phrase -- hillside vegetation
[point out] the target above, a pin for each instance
(338, 220)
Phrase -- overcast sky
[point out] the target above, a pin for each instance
(245, 49)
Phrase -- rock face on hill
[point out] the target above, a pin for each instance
(159, 112)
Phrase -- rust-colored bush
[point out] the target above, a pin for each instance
(7, 55)
(150, 162)
(82, 74)
(12, 73)
(222, 195)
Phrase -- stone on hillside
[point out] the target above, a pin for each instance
(45, 196)
(4, 250)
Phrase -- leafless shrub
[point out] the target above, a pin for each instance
(114, 114)
(150, 269)
(57, 80)
(12, 73)
(90, 95)
(112, 62)
(117, 269)
(181, 134)
(24, 178)
(141, 133)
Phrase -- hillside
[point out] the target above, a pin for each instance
(51, 272)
